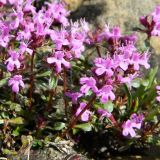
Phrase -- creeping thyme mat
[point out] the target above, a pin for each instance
(53, 95)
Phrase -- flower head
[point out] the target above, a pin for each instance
(74, 96)
(104, 112)
(106, 93)
(58, 60)
(135, 122)
(87, 84)
(13, 60)
(16, 82)
(85, 116)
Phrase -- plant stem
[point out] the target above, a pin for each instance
(51, 94)
(113, 120)
(75, 118)
(98, 50)
(31, 81)
(64, 91)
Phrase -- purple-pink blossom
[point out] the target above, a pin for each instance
(135, 122)
(106, 93)
(24, 48)
(59, 60)
(16, 82)
(152, 24)
(58, 12)
(104, 66)
(13, 61)
(74, 96)
(86, 115)
(88, 83)
(104, 113)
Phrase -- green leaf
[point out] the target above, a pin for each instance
(88, 93)
(136, 105)
(18, 120)
(109, 106)
(85, 126)
(152, 113)
(1, 121)
(9, 152)
(152, 75)
(3, 82)
(53, 82)
(16, 107)
(47, 73)
(129, 95)
(15, 132)
(136, 83)
(75, 130)
(37, 143)
(59, 126)
(145, 82)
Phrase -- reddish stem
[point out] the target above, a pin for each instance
(75, 118)
(64, 91)
(31, 81)
(98, 50)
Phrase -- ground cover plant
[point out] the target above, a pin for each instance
(52, 89)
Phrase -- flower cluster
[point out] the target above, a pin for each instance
(114, 36)
(152, 22)
(69, 44)
(135, 122)
(120, 65)
(23, 29)
(15, 82)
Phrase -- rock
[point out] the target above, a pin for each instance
(53, 154)
(124, 13)
(73, 4)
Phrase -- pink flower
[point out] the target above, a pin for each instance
(4, 34)
(58, 60)
(74, 96)
(144, 60)
(15, 82)
(60, 38)
(85, 116)
(103, 66)
(129, 126)
(24, 48)
(106, 94)
(152, 25)
(127, 79)
(28, 7)
(13, 61)
(17, 19)
(58, 12)
(87, 84)
(113, 35)
(77, 47)
(3, 1)
(25, 34)
(137, 118)
(156, 14)
(15, 2)
(156, 30)
(104, 113)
